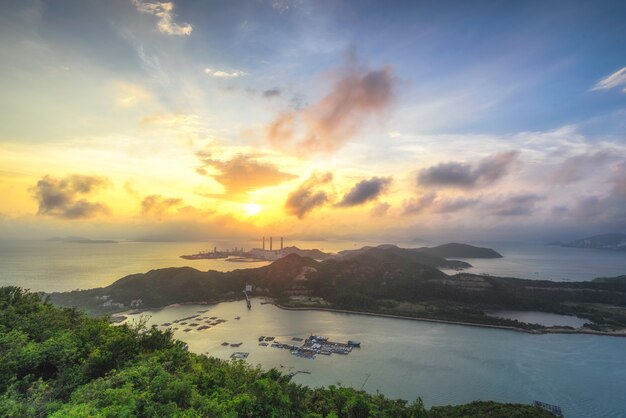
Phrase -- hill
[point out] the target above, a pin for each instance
(614, 242)
(454, 250)
(384, 279)
(314, 253)
(431, 260)
(60, 363)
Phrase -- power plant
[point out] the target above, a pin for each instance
(268, 254)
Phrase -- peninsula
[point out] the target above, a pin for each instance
(381, 280)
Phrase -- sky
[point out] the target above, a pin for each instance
(385, 120)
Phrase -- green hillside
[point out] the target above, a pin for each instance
(58, 362)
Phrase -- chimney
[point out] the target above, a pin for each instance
(263, 243)
(270, 243)
(281, 243)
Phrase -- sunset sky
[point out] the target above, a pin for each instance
(137, 119)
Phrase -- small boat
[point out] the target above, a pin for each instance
(261, 338)
(352, 343)
(237, 317)
(225, 343)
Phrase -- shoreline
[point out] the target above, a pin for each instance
(546, 330)
(272, 301)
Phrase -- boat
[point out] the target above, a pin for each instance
(262, 338)
(352, 343)
(237, 317)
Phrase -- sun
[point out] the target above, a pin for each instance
(252, 208)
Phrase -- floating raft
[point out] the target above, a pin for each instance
(553, 409)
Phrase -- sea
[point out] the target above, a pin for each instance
(442, 363)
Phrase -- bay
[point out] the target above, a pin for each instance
(442, 363)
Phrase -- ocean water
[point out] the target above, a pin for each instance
(548, 262)
(60, 266)
(54, 266)
(442, 363)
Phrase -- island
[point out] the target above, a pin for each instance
(455, 250)
(383, 280)
(613, 242)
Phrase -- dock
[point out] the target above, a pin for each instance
(311, 347)
(553, 409)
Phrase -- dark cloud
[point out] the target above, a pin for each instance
(365, 191)
(157, 204)
(308, 196)
(268, 94)
(419, 204)
(455, 205)
(356, 95)
(608, 210)
(242, 173)
(64, 198)
(463, 175)
(514, 205)
(580, 167)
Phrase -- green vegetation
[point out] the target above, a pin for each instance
(58, 362)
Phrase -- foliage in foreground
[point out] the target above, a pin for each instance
(58, 362)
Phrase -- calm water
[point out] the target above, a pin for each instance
(547, 262)
(58, 266)
(61, 266)
(444, 364)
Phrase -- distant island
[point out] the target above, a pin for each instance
(385, 280)
(435, 256)
(455, 250)
(613, 242)
(82, 240)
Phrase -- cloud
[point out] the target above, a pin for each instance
(224, 74)
(380, 209)
(455, 205)
(62, 197)
(419, 204)
(158, 205)
(357, 94)
(275, 92)
(308, 197)
(165, 12)
(580, 167)
(515, 205)
(129, 95)
(617, 79)
(365, 191)
(241, 173)
(463, 175)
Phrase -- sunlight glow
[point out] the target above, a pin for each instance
(252, 208)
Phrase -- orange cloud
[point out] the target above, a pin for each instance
(242, 173)
(357, 94)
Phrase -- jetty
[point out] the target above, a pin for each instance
(311, 347)
(553, 409)
(247, 290)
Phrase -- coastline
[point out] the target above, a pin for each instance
(272, 301)
(547, 330)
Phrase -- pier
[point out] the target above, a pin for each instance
(553, 409)
(247, 290)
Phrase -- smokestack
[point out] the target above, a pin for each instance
(281, 243)
(263, 243)
(270, 243)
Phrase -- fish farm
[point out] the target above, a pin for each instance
(312, 346)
